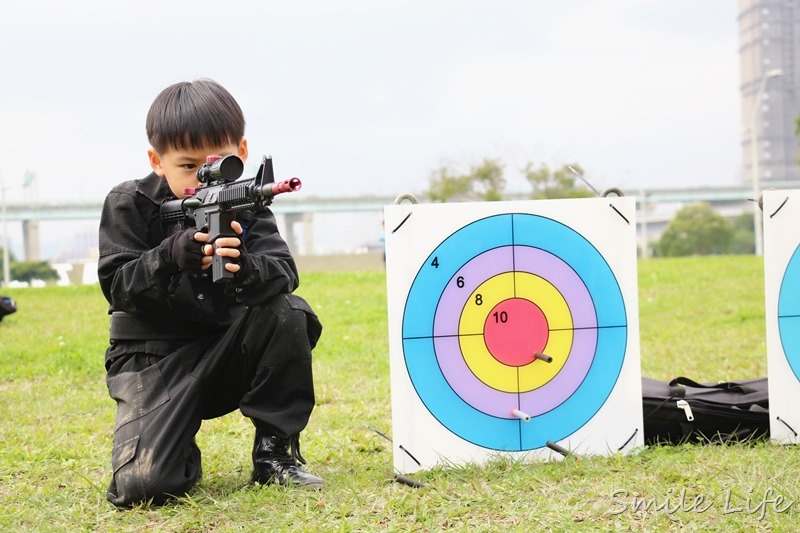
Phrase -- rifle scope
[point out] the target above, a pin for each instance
(216, 168)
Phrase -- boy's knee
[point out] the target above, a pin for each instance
(139, 478)
(313, 326)
(132, 486)
(294, 316)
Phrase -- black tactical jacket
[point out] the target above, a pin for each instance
(136, 277)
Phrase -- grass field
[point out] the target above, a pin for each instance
(700, 317)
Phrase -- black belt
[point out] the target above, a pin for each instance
(126, 327)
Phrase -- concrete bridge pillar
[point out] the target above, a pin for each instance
(30, 240)
(307, 220)
(308, 232)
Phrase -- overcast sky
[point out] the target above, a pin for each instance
(370, 96)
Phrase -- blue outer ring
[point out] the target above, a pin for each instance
(789, 313)
(518, 229)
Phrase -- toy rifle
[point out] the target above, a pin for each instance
(214, 204)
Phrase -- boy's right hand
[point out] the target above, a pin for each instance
(186, 252)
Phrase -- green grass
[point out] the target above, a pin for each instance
(700, 317)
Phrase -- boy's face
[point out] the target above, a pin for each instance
(179, 166)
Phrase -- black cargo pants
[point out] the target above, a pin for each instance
(164, 389)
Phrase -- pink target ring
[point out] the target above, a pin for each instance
(514, 330)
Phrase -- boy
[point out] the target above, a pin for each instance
(183, 348)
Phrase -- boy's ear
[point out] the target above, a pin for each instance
(243, 150)
(155, 162)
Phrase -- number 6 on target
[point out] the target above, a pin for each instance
(511, 325)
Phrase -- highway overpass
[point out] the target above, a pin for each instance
(656, 207)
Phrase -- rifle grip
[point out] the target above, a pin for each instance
(218, 270)
(219, 225)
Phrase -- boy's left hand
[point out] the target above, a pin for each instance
(230, 247)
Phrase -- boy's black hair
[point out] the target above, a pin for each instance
(193, 115)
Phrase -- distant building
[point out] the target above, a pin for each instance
(769, 39)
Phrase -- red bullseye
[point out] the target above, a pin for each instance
(514, 330)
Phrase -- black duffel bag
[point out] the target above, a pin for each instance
(683, 410)
(7, 306)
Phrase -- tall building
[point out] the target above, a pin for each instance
(769, 45)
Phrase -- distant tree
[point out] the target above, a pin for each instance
(444, 185)
(32, 270)
(27, 271)
(488, 179)
(483, 182)
(744, 241)
(560, 183)
(696, 230)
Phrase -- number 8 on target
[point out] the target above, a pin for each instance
(512, 325)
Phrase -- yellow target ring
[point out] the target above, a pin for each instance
(472, 326)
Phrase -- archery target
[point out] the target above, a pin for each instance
(511, 327)
(781, 212)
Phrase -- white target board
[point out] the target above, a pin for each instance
(512, 326)
(781, 212)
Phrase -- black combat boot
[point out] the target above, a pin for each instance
(276, 460)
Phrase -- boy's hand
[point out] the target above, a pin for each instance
(186, 250)
(230, 247)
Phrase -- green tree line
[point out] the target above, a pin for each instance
(694, 230)
(27, 271)
(486, 181)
